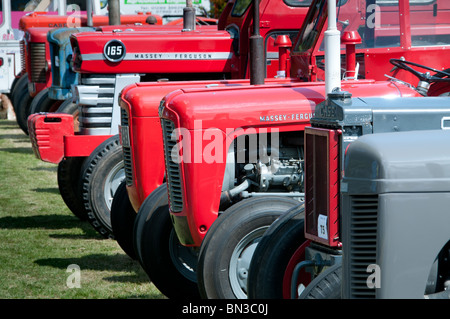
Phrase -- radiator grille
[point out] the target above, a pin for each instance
(126, 149)
(172, 167)
(38, 62)
(96, 101)
(362, 244)
(22, 54)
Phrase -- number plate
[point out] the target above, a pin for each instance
(125, 136)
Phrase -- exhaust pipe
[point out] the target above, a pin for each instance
(188, 17)
(257, 65)
(114, 12)
(89, 13)
(332, 38)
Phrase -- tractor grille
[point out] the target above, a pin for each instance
(362, 243)
(172, 167)
(96, 98)
(126, 148)
(22, 55)
(38, 62)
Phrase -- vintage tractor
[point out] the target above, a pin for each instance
(38, 59)
(407, 195)
(223, 205)
(108, 63)
(301, 253)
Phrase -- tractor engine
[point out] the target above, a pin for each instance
(274, 167)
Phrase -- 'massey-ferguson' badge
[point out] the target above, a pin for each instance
(114, 51)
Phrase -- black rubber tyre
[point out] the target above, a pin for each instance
(325, 286)
(68, 174)
(23, 108)
(122, 220)
(156, 199)
(13, 87)
(42, 103)
(69, 107)
(19, 90)
(228, 246)
(101, 174)
(273, 254)
(169, 265)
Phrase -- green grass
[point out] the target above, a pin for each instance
(40, 237)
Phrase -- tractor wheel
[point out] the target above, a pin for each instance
(42, 103)
(101, 174)
(23, 108)
(19, 90)
(169, 265)
(157, 198)
(229, 244)
(278, 252)
(327, 285)
(68, 174)
(68, 107)
(13, 87)
(122, 220)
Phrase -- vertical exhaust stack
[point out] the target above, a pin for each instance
(62, 10)
(114, 12)
(332, 51)
(89, 13)
(257, 63)
(188, 16)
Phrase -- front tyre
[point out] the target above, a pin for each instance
(100, 177)
(327, 285)
(122, 220)
(229, 244)
(68, 174)
(280, 249)
(170, 266)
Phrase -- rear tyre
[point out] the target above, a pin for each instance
(68, 174)
(169, 265)
(276, 255)
(122, 220)
(228, 247)
(327, 285)
(101, 175)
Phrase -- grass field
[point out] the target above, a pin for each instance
(40, 238)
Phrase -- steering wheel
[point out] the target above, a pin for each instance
(439, 76)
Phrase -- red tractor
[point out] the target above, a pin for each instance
(109, 60)
(36, 52)
(218, 206)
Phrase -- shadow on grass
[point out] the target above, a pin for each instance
(45, 169)
(19, 137)
(49, 190)
(101, 262)
(51, 222)
(17, 150)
